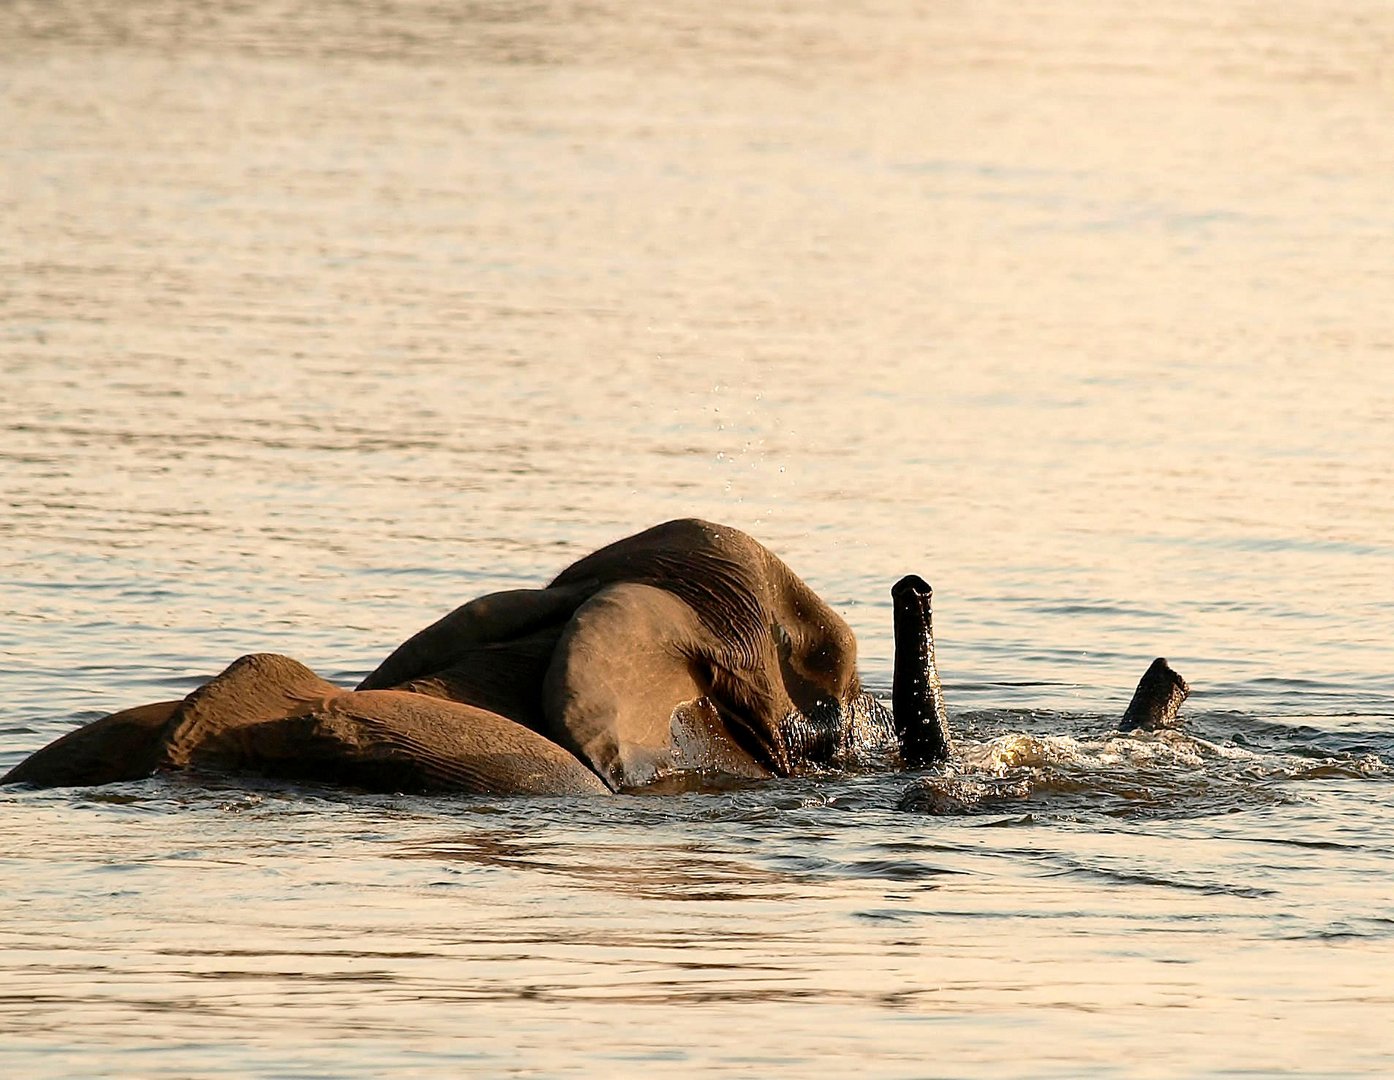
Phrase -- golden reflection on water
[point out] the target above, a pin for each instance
(459, 950)
(316, 319)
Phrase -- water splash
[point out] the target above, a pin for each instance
(1169, 774)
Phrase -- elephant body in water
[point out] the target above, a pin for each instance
(685, 648)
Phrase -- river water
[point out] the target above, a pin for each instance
(317, 320)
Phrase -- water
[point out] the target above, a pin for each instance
(317, 320)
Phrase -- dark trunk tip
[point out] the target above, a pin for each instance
(911, 583)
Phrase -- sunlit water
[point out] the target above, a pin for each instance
(317, 320)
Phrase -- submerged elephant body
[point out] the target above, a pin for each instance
(687, 647)
(270, 715)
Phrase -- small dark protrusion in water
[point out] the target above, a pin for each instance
(1157, 699)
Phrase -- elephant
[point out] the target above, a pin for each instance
(686, 648)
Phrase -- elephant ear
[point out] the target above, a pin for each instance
(490, 620)
(629, 690)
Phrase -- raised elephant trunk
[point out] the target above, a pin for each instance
(917, 698)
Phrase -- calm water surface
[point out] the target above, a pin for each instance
(318, 320)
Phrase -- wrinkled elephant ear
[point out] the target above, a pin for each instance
(627, 690)
(489, 620)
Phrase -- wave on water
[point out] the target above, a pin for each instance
(1166, 774)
